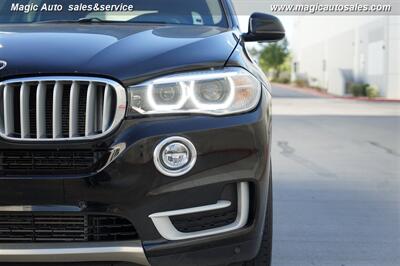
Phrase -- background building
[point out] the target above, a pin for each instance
(332, 51)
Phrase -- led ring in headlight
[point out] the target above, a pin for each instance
(205, 102)
(169, 97)
(215, 92)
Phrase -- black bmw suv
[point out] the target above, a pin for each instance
(134, 133)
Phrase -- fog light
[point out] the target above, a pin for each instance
(175, 156)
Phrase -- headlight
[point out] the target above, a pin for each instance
(217, 92)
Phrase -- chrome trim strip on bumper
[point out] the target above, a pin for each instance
(164, 226)
(217, 206)
(126, 251)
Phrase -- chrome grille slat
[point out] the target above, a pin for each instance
(99, 110)
(73, 110)
(37, 109)
(8, 110)
(1, 108)
(90, 109)
(57, 110)
(106, 108)
(41, 111)
(24, 113)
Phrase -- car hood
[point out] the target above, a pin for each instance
(127, 53)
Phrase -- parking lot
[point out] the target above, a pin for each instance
(336, 166)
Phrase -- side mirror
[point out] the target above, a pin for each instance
(264, 27)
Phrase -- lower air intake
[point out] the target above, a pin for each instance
(31, 228)
(205, 221)
(47, 162)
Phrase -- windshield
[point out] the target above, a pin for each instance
(187, 12)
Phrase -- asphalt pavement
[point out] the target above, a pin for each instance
(282, 92)
(336, 170)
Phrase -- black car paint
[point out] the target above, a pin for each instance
(131, 186)
(127, 53)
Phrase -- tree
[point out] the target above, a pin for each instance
(273, 57)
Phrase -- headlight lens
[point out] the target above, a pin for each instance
(218, 92)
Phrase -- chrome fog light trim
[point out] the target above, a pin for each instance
(188, 155)
(164, 226)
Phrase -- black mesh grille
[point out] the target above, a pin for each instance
(51, 162)
(65, 113)
(32, 111)
(82, 110)
(109, 228)
(28, 228)
(211, 219)
(204, 221)
(49, 111)
(17, 115)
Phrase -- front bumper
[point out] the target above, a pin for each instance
(231, 150)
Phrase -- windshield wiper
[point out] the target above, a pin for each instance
(147, 22)
(94, 19)
(99, 20)
(81, 20)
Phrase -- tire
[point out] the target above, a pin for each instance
(264, 255)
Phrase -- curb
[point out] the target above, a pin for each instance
(314, 92)
(304, 90)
